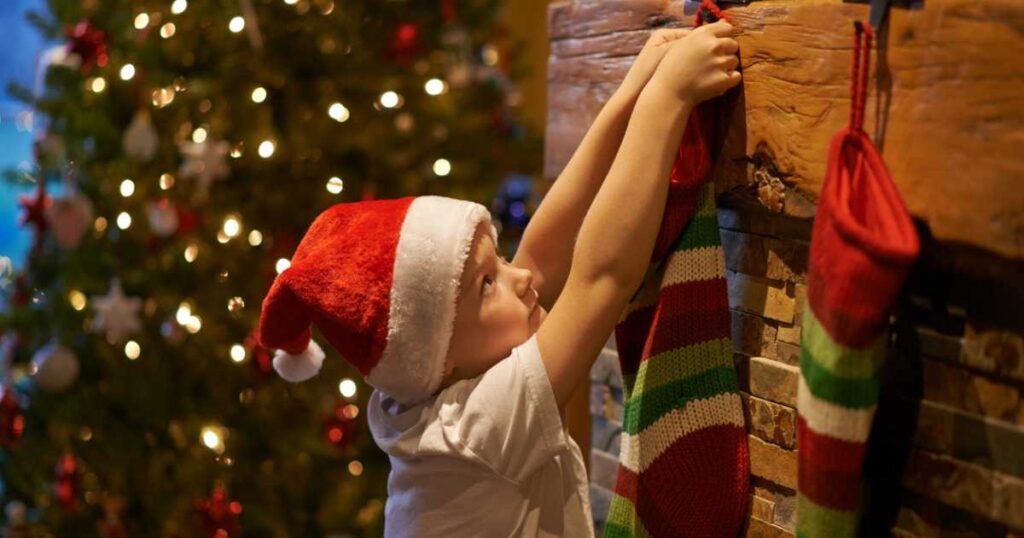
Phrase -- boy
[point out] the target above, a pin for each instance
(473, 358)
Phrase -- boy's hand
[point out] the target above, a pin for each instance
(701, 66)
(647, 61)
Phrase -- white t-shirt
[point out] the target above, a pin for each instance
(485, 457)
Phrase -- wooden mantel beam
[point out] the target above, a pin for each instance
(946, 102)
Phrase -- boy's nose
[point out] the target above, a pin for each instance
(525, 283)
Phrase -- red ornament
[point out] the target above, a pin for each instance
(34, 211)
(66, 488)
(12, 420)
(188, 220)
(218, 516)
(405, 43)
(89, 43)
(20, 296)
(342, 429)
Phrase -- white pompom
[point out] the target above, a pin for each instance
(296, 368)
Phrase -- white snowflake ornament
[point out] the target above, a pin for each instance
(206, 161)
(117, 315)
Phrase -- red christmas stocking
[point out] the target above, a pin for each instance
(862, 246)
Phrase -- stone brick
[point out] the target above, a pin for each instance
(800, 297)
(761, 508)
(785, 512)
(972, 438)
(783, 499)
(788, 353)
(751, 335)
(935, 344)
(787, 261)
(743, 214)
(757, 297)
(957, 387)
(772, 463)
(921, 516)
(604, 469)
(773, 380)
(767, 257)
(770, 421)
(757, 528)
(991, 494)
(1000, 352)
(789, 333)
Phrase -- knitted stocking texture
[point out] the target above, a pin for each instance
(862, 246)
(683, 468)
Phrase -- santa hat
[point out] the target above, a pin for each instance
(380, 280)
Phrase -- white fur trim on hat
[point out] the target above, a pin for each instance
(296, 368)
(435, 240)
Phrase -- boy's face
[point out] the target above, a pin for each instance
(497, 310)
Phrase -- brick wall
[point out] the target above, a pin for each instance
(946, 455)
(947, 452)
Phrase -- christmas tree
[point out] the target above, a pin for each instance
(182, 149)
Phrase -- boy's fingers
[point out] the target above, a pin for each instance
(727, 45)
(728, 63)
(720, 28)
(676, 33)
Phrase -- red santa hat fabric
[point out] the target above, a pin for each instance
(380, 280)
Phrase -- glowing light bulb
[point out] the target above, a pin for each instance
(389, 99)
(191, 252)
(166, 181)
(179, 6)
(199, 135)
(347, 387)
(132, 350)
(237, 24)
(442, 167)
(127, 188)
(127, 72)
(124, 220)
(237, 353)
(167, 30)
(435, 86)
(355, 468)
(335, 185)
(338, 112)
(259, 94)
(183, 314)
(97, 85)
(213, 437)
(255, 238)
(141, 21)
(77, 300)
(266, 149)
(282, 265)
(232, 226)
(194, 324)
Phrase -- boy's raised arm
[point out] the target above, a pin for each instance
(548, 242)
(618, 232)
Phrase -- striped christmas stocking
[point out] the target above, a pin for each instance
(683, 468)
(862, 246)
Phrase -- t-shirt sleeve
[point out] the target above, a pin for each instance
(509, 417)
